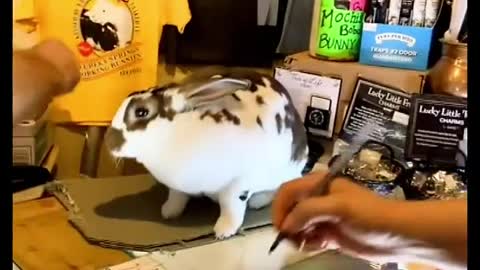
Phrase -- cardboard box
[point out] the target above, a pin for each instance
(410, 81)
(407, 47)
(396, 46)
(34, 144)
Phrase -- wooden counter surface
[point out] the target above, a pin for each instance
(43, 239)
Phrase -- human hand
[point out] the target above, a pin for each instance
(39, 74)
(348, 218)
(59, 56)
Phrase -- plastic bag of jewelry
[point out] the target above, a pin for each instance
(374, 166)
(424, 181)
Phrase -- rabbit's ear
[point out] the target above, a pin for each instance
(208, 92)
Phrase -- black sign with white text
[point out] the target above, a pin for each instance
(436, 128)
(388, 107)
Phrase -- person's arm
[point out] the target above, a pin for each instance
(39, 74)
(366, 225)
(440, 224)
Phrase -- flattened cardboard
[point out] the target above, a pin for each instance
(125, 212)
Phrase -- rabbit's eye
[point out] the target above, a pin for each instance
(141, 112)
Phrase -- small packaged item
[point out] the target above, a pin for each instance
(406, 12)
(431, 12)
(370, 157)
(418, 17)
(394, 12)
(375, 167)
(427, 181)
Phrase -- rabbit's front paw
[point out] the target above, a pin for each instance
(225, 227)
(174, 205)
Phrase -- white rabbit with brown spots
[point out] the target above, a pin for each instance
(231, 135)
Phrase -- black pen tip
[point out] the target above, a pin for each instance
(275, 243)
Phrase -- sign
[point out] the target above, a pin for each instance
(388, 107)
(315, 97)
(436, 128)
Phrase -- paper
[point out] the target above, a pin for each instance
(143, 263)
(302, 86)
(249, 252)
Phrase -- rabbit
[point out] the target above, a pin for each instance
(116, 13)
(232, 135)
(100, 37)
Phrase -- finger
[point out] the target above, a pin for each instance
(315, 240)
(313, 211)
(290, 193)
(328, 236)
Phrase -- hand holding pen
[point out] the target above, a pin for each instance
(322, 182)
(319, 221)
(362, 224)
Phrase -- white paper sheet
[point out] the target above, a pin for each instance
(143, 263)
(239, 253)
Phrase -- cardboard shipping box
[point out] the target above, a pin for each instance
(410, 81)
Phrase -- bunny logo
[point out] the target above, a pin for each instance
(105, 25)
(106, 30)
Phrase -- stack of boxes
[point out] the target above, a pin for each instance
(32, 141)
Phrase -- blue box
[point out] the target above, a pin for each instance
(396, 46)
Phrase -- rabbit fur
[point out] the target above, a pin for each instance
(231, 135)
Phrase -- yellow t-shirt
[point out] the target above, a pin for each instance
(24, 25)
(23, 9)
(116, 42)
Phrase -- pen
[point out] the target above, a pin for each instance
(320, 190)
(336, 166)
